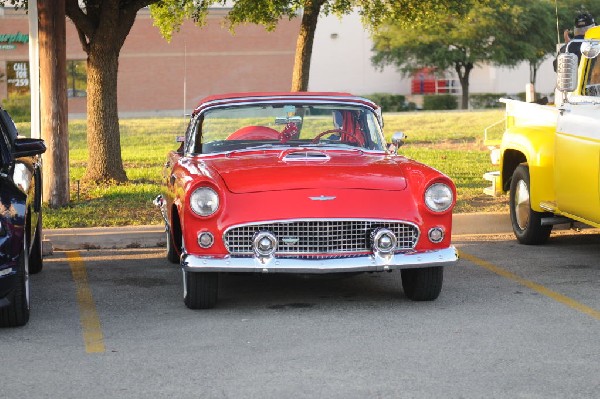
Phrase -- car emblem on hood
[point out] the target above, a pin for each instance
(322, 198)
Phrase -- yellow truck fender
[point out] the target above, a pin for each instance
(534, 146)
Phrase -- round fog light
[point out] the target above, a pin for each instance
(205, 239)
(384, 241)
(436, 234)
(264, 243)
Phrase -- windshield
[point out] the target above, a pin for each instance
(285, 125)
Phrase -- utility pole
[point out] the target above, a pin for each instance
(34, 68)
(53, 100)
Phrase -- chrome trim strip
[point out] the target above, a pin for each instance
(372, 263)
(236, 101)
(288, 221)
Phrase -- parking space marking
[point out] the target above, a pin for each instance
(90, 322)
(533, 286)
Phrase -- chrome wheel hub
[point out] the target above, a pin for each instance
(522, 205)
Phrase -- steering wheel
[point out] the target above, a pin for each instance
(340, 131)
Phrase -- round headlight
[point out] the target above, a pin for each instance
(439, 197)
(204, 201)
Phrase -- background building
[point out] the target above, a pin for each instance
(157, 77)
(342, 61)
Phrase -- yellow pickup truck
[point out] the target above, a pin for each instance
(549, 155)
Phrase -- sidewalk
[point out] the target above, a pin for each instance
(154, 236)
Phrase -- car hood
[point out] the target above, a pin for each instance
(308, 169)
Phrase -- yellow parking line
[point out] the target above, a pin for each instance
(90, 323)
(533, 286)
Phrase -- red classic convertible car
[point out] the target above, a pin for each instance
(301, 183)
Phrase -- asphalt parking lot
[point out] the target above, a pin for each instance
(512, 321)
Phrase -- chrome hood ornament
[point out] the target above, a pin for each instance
(322, 198)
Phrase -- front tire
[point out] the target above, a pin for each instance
(17, 313)
(172, 250)
(526, 223)
(200, 289)
(423, 284)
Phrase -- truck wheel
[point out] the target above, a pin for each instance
(17, 313)
(422, 284)
(200, 289)
(36, 263)
(526, 223)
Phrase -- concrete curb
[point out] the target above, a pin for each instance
(154, 236)
(104, 238)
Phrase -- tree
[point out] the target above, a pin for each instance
(542, 24)
(569, 9)
(458, 39)
(535, 34)
(53, 101)
(103, 26)
(269, 12)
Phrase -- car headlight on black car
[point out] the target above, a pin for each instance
(439, 197)
(204, 201)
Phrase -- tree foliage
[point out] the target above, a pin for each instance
(169, 14)
(484, 32)
(487, 31)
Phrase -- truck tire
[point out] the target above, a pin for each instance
(422, 284)
(526, 223)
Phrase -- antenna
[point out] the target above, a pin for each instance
(557, 28)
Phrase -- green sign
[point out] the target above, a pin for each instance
(14, 38)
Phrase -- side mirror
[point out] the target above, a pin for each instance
(26, 147)
(590, 49)
(566, 69)
(397, 141)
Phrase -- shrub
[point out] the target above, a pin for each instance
(19, 107)
(389, 102)
(522, 96)
(486, 100)
(440, 102)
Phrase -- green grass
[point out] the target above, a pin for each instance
(451, 142)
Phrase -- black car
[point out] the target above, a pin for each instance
(20, 220)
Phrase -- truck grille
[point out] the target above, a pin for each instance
(319, 237)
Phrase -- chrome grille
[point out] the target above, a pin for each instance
(319, 237)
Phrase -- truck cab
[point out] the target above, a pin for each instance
(549, 155)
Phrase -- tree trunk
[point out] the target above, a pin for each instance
(304, 45)
(53, 101)
(463, 71)
(103, 139)
(533, 68)
(102, 30)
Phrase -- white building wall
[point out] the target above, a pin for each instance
(341, 61)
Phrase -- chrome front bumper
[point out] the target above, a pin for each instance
(371, 263)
